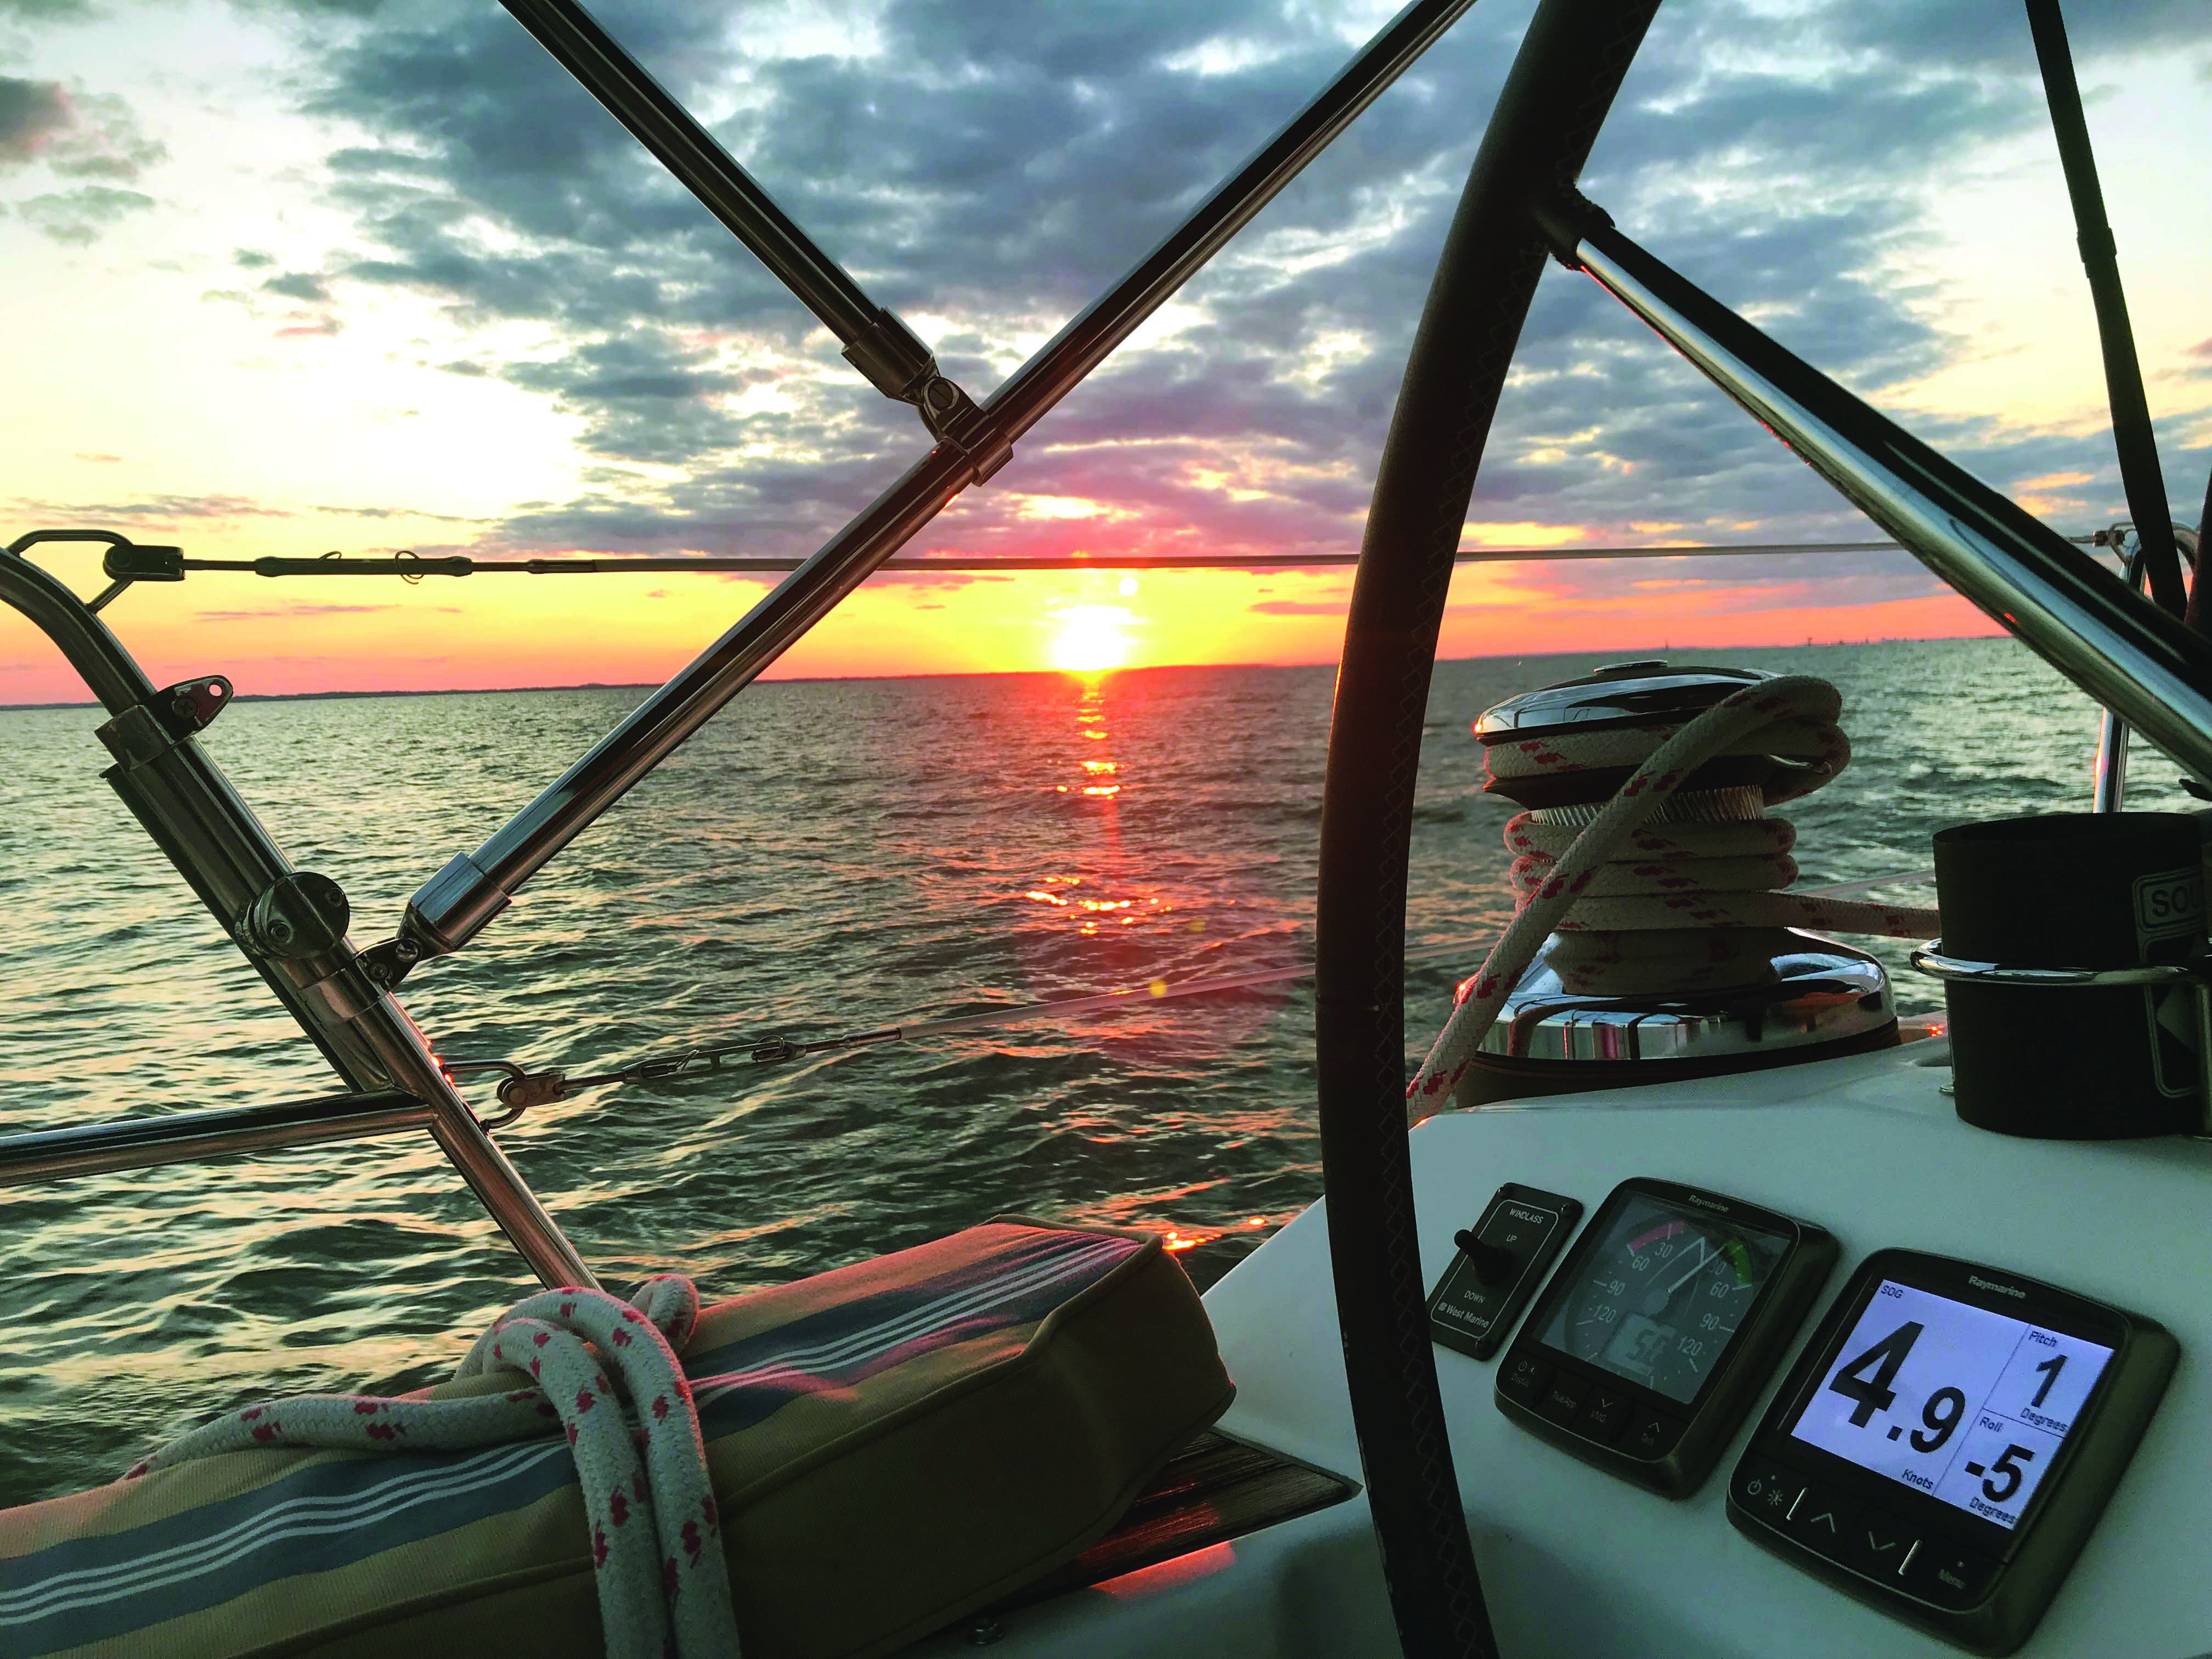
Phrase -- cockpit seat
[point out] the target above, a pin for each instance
(892, 1444)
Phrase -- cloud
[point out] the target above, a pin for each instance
(643, 396)
(313, 314)
(162, 509)
(76, 217)
(31, 113)
(105, 142)
(79, 135)
(298, 285)
(1974, 35)
(988, 168)
(300, 612)
(396, 512)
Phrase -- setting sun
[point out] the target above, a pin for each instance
(1091, 639)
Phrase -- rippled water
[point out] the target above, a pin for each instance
(824, 857)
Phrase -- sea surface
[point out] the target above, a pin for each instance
(824, 858)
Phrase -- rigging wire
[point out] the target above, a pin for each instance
(412, 567)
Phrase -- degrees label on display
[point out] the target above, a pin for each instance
(1957, 1401)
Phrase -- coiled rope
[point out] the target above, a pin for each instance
(607, 1372)
(1642, 871)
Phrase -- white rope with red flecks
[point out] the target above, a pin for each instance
(583, 1357)
(1675, 875)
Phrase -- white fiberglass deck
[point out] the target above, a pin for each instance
(1579, 1565)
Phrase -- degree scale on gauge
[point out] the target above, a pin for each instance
(1670, 1312)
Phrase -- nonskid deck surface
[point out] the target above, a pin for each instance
(1577, 1563)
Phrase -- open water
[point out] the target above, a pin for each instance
(825, 857)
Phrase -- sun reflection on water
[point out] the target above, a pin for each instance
(1118, 907)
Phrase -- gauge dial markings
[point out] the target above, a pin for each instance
(1659, 1307)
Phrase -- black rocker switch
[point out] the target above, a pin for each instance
(1501, 1260)
(1493, 1264)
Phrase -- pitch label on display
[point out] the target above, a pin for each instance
(1967, 1404)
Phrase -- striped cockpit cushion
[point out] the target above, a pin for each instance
(1016, 1381)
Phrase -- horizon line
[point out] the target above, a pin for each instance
(982, 673)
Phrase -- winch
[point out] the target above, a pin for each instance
(1676, 960)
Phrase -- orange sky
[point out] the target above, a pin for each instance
(355, 634)
(233, 355)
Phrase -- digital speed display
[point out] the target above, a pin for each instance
(1658, 1298)
(1947, 1439)
(1964, 1404)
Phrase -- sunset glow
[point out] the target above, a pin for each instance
(1091, 639)
(355, 316)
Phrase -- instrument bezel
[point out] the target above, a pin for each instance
(2031, 1558)
(1709, 1420)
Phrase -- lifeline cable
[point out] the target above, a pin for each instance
(1680, 874)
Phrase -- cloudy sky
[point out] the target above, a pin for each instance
(289, 276)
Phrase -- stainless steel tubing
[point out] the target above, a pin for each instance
(195, 1137)
(2123, 652)
(1930, 960)
(455, 905)
(702, 166)
(175, 789)
(2108, 782)
(96, 654)
(2108, 787)
(1081, 346)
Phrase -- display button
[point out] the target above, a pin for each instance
(1562, 1399)
(1605, 1414)
(1523, 1377)
(1650, 1435)
(1768, 1490)
(1948, 1576)
(1823, 1521)
(1879, 1546)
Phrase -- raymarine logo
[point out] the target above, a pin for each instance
(1980, 1284)
(1705, 1203)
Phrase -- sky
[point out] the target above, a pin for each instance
(289, 276)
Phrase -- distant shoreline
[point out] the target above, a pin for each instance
(1624, 653)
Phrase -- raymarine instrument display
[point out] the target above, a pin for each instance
(1663, 1293)
(1947, 1438)
(1665, 1317)
(1951, 1399)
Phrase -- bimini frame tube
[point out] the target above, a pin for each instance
(457, 903)
(702, 166)
(883, 347)
(2121, 650)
